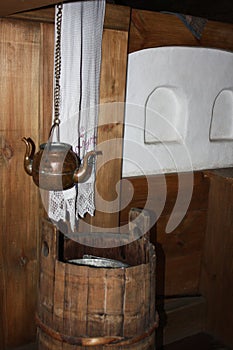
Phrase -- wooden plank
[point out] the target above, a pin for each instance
(41, 15)
(199, 200)
(116, 17)
(58, 298)
(179, 253)
(19, 82)
(47, 271)
(218, 35)
(46, 79)
(46, 94)
(96, 305)
(115, 283)
(184, 317)
(3, 320)
(152, 29)
(111, 117)
(186, 238)
(76, 300)
(134, 295)
(216, 276)
(14, 6)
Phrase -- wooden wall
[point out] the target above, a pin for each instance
(19, 83)
(182, 248)
(182, 255)
(178, 253)
(26, 57)
(26, 82)
(217, 264)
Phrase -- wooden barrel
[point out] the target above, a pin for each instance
(82, 307)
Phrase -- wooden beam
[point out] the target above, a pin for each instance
(116, 17)
(153, 29)
(13, 6)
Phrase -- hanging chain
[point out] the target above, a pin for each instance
(58, 65)
(57, 70)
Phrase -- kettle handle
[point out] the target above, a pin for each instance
(30, 150)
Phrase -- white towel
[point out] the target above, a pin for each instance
(81, 39)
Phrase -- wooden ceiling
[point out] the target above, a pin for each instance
(219, 10)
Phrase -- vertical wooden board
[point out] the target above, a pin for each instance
(217, 261)
(76, 300)
(182, 250)
(46, 79)
(110, 129)
(153, 276)
(143, 303)
(147, 296)
(96, 306)
(59, 292)
(134, 300)
(112, 15)
(2, 303)
(47, 271)
(46, 93)
(179, 253)
(115, 283)
(182, 275)
(19, 98)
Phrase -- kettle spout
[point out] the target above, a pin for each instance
(29, 154)
(84, 172)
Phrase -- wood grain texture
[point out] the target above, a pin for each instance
(217, 272)
(110, 127)
(153, 29)
(46, 79)
(42, 15)
(218, 35)
(178, 253)
(116, 17)
(46, 95)
(199, 200)
(80, 304)
(13, 6)
(184, 317)
(19, 98)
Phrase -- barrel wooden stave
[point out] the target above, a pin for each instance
(84, 301)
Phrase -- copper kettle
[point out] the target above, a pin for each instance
(56, 167)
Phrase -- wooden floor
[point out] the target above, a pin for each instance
(199, 341)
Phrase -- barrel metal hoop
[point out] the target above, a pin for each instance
(111, 341)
